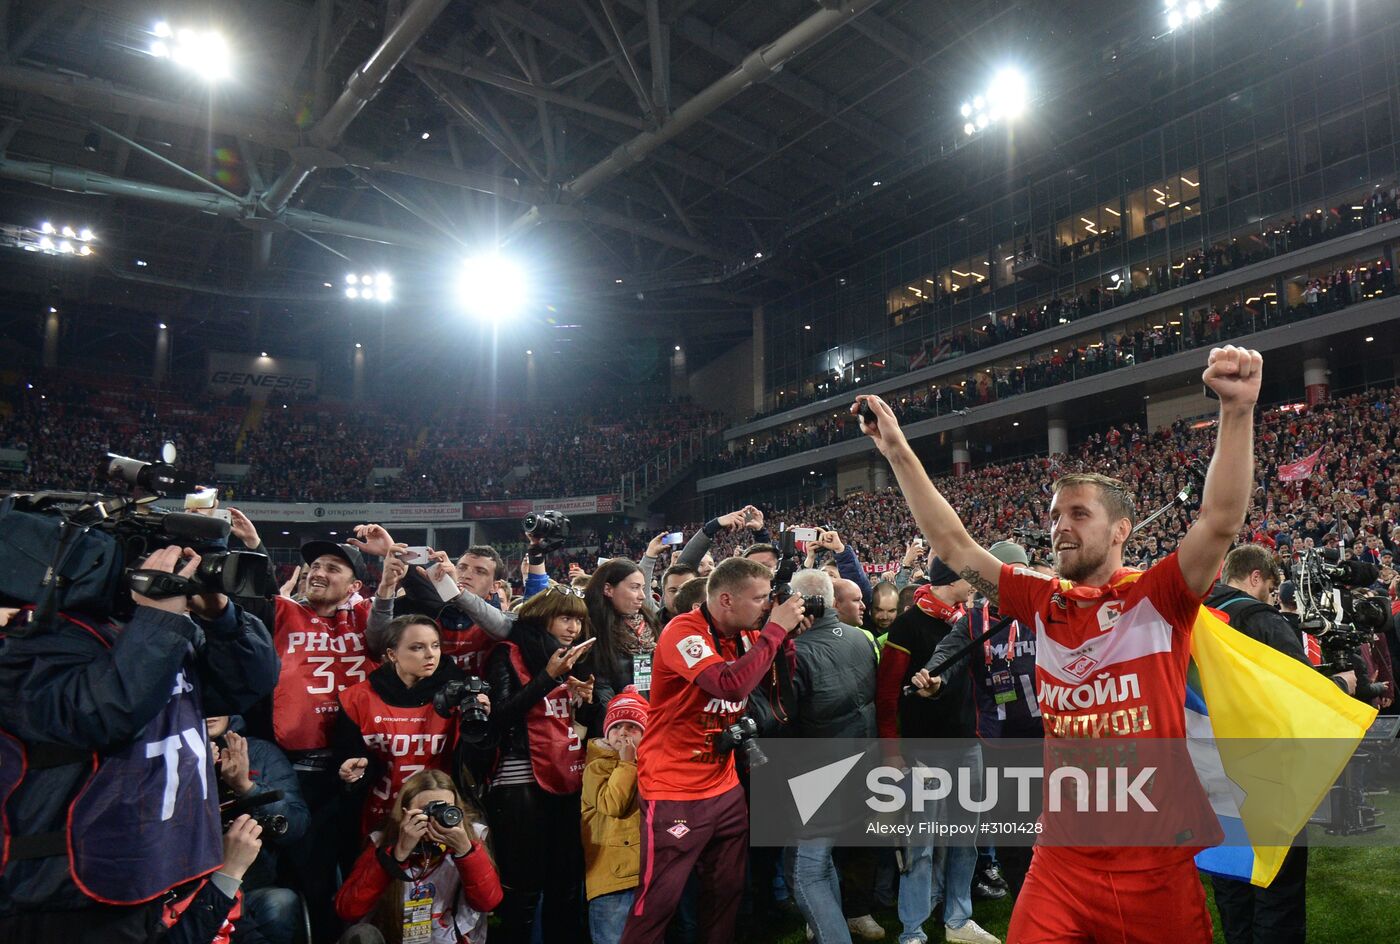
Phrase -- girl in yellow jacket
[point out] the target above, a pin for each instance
(612, 816)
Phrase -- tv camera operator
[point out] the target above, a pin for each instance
(708, 662)
(106, 675)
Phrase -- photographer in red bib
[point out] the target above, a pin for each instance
(1129, 624)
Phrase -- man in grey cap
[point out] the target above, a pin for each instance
(1000, 675)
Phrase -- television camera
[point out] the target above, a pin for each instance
(74, 551)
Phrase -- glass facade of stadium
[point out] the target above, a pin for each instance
(1308, 144)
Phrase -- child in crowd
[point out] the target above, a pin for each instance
(612, 816)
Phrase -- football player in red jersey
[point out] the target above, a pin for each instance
(1099, 618)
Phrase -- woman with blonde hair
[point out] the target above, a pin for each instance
(427, 875)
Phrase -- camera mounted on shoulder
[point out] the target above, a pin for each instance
(72, 551)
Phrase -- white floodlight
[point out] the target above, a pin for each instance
(383, 280)
(970, 128)
(1174, 19)
(161, 326)
(204, 52)
(85, 235)
(85, 250)
(68, 231)
(1193, 10)
(491, 287)
(979, 103)
(1007, 94)
(981, 122)
(352, 292)
(352, 279)
(965, 110)
(46, 227)
(65, 246)
(160, 50)
(162, 29)
(384, 294)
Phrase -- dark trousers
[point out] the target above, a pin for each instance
(540, 856)
(1273, 915)
(857, 867)
(710, 836)
(1015, 862)
(309, 865)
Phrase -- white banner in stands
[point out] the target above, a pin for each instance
(260, 377)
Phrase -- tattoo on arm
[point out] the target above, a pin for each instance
(981, 584)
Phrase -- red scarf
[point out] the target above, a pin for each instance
(930, 605)
(1117, 586)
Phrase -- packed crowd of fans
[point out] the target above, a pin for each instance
(325, 452)
(1274, 237)
(1351, 502)
(1328, 293)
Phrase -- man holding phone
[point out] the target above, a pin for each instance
(707, 663)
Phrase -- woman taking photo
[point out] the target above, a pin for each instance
(624, 623)
(532, 795)
(387, 729)
(421, 880)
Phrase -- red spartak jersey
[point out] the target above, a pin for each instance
(405, 740)
(677, 758)
(320, 657)
(1110, 662)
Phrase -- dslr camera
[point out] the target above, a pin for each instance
(459, 696)
(742, 733)
(72, 551)
(550, 528)
(273, 824)
(1332, 607)
(789, 560)
(444, 814)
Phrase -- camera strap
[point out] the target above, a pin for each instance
(780, 688)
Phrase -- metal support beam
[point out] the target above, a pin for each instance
(803, 91)
(78, 180)
(468, 70)
(364, 84)
(757, 66)
(162, 159)
(659, 47)
(510, 149)
(48, 13)
(675, 205)
(532, 69)
(614, 43)
(546, 31)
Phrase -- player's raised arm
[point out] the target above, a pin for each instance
(1234, 374)
(937, 519)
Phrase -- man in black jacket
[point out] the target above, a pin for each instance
(833, 683)
(1248, 581)
(110, 718)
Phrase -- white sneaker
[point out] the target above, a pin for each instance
(866, 928)
(970, 933)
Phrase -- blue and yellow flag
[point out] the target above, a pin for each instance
(1282, 734)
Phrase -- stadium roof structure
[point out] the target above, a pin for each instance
(664, 161)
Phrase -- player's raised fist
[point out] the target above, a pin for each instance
(1234, 374)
